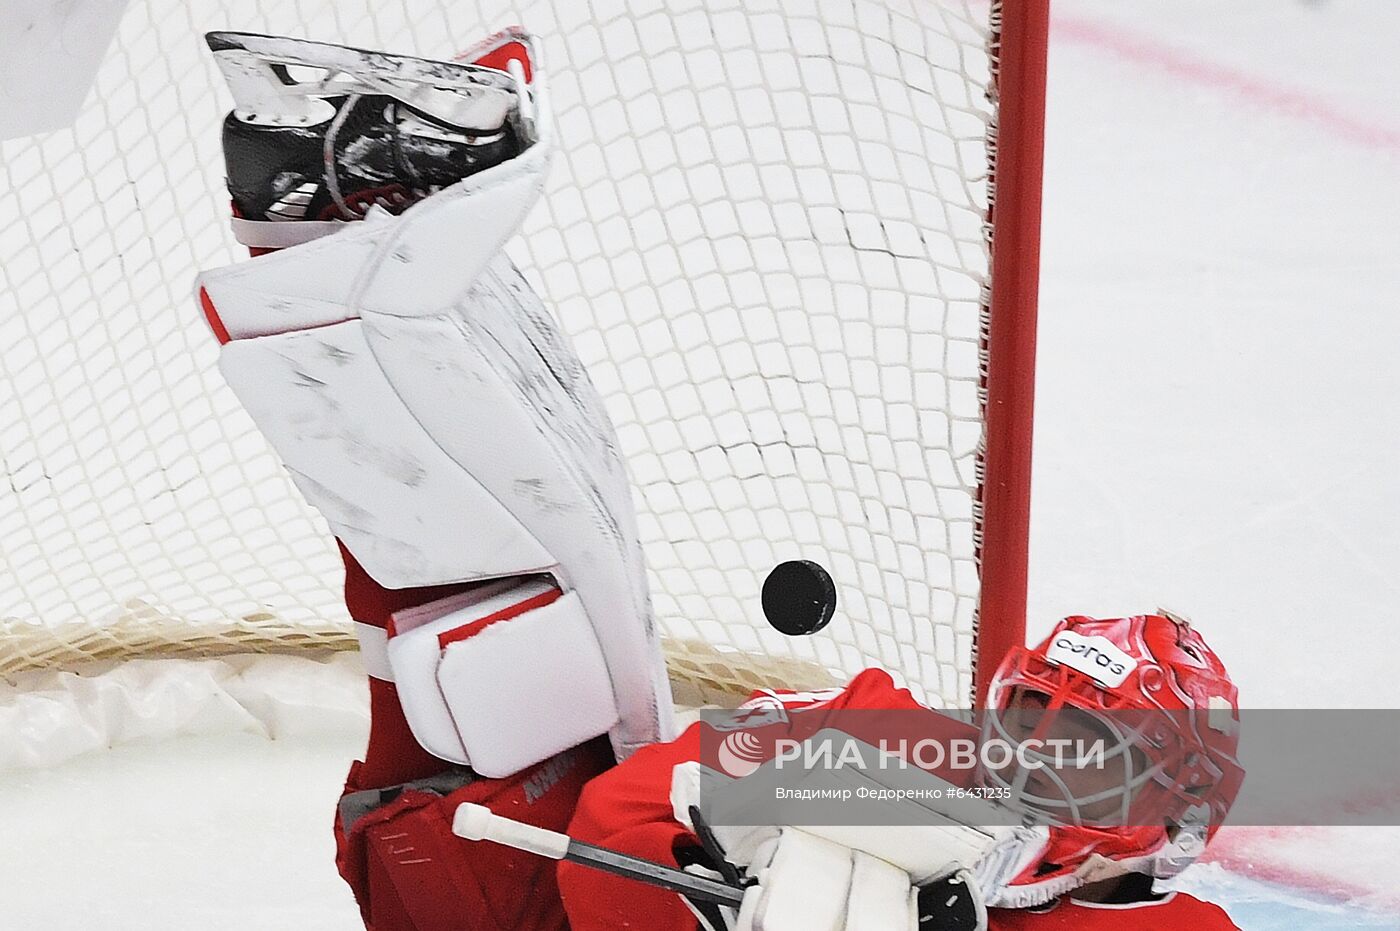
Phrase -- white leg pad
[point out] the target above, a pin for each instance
(477, 688)
(426, 403)
(406, 510)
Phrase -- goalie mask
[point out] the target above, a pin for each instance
(1124, 733)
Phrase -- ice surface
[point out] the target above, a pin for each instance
(1262, 906)
(1218, 410)
(230, 831)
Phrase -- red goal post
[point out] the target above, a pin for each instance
(1017, 179)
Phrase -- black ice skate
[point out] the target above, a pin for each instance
(321, 134)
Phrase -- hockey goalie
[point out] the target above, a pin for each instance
(1084, 862)
(427, 405)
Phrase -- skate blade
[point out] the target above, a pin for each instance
(466, 98)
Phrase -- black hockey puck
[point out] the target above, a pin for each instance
(799, 597)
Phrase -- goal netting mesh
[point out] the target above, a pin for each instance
(764, 230)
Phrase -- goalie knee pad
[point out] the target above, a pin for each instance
(428, 406)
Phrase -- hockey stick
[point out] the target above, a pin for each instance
(476, 822)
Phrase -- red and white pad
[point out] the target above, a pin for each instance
(477, 687)
(428, 405)
(808, 883)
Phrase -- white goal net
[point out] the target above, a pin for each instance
(766, 230)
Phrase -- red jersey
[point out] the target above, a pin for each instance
(628, 808)
(1171, 913)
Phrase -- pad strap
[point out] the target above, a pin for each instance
(374, 651)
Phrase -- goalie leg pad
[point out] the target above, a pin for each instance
(410, 515)
(427, 405)
(486, 441)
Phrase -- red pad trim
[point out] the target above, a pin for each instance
(212, 315)
(221, 332)
(469, 630)
(501, 57)
(499, 50)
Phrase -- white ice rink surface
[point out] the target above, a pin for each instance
(1218, 408)
(1218, 404)
(1218, 431)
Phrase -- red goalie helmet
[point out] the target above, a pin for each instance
(1160, 715)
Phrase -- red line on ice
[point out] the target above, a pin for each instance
(1289, 102)
(1271, 854)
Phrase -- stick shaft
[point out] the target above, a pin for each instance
(654, 874)
(478, 823)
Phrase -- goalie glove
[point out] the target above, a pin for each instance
(807, 882)
(841, 878)
(802, 882)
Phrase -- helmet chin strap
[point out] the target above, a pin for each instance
(1188, 842)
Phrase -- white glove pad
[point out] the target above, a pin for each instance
(925, 852)
(881, 896)
(806, 883)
